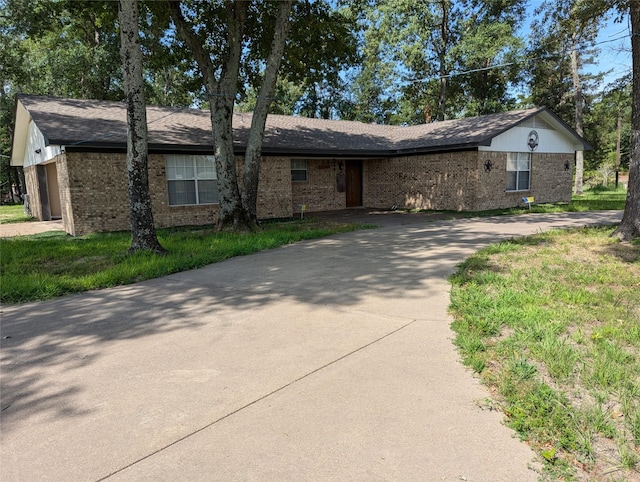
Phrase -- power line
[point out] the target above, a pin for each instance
(507, 64)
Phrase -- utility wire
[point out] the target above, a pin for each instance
(507, 64)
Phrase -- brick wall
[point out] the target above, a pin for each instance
(550, 181)
(274, 187)
(440, 181)
(320, 191)
(31, 184)
(96, 183)
(97, 186)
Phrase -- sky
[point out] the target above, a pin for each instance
(614, 42)
(615, 47)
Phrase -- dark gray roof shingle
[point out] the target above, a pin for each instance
(85, 124)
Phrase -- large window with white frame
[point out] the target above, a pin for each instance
(191, 179)
(518, 171)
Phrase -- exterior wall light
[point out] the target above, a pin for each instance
(567, 166)
(488, 165)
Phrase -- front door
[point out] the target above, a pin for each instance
(353, 181)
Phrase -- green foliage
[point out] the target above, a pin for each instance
(412, 52)
(551, 323)
(53, 264)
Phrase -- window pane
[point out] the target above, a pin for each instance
(511, 180)
(298, 175)
(523, 162)
(208, 192)
(512, 162)
(298, 164)
(523, 181)
(206, 167)
(182, 192)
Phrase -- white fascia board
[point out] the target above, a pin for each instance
(20, 136)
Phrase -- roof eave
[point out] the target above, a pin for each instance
(586, 146)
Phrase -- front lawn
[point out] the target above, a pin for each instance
(551, 323)
(52, 264)
(13, 214)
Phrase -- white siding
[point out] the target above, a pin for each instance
(35, 142)
(550, 140)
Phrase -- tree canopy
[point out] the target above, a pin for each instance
(383, 61)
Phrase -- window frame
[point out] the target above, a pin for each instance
(299, 170)
(518, 170)
(200, 175)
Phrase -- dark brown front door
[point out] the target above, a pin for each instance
(353, 171)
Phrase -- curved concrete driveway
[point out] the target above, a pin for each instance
(324, 360)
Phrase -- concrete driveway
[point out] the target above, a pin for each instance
(324, 360)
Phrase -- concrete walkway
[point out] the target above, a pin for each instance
(30, 227)
(324, 360)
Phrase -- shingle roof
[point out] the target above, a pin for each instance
(90, 124)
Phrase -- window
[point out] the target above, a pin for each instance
(518, 171)
(298, 170)
(191, 180)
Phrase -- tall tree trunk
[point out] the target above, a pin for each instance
(267, 89)
(143, 233)
(618, 146)
(237, 211)
(222, 94)
(629, 228)
(577, 97)
(232, 215)
(442, 60)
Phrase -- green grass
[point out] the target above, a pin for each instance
(13, 214)
(52, 264)
(552, 325)
(598, 198)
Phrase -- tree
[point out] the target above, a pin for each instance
(143, 233)
(220, 70)
(438, 59)
(574, 24)
(629, 227)
(608, 126)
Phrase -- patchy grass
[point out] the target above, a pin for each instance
(52, 264)
(13, 214)
(552, 325)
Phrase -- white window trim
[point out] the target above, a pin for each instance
(518, 171)
(195, 178)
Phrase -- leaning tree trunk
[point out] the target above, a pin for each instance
(143, 233)
(256, 136)
(629, 228)
(577, 96)
(221, 92)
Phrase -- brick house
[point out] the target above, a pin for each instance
(73, 155)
